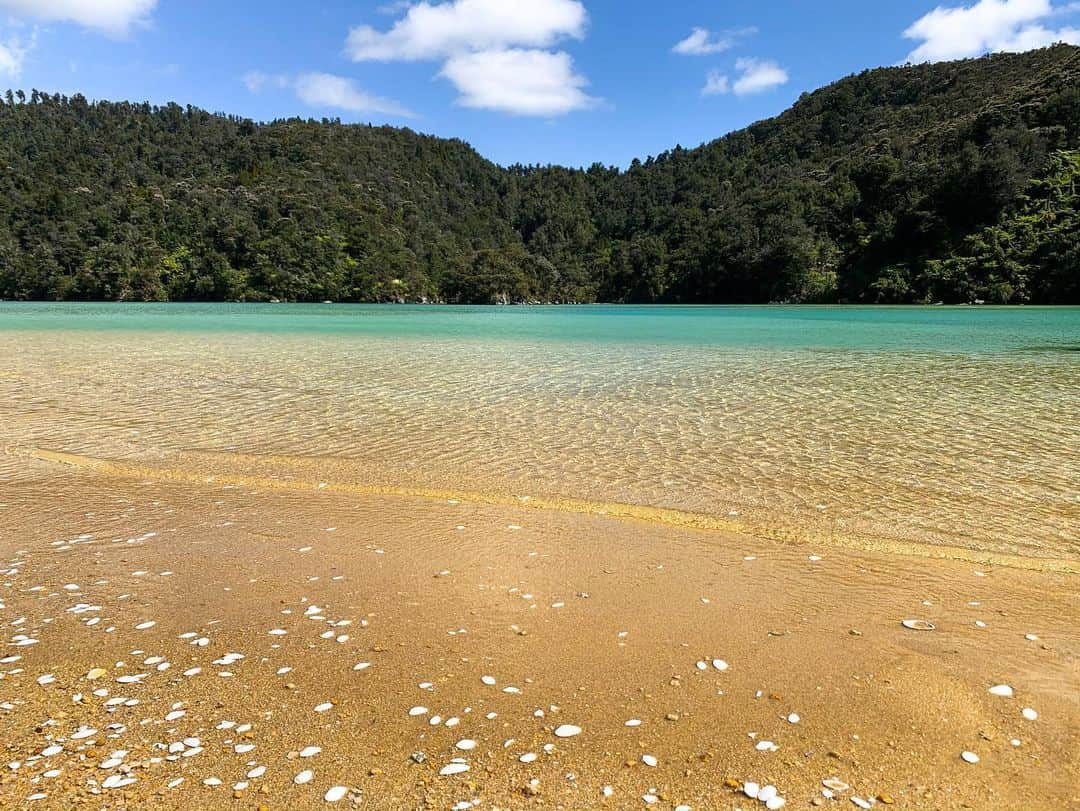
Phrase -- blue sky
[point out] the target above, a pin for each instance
(530, 81)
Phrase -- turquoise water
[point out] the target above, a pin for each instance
(943, 426)
(924, 329)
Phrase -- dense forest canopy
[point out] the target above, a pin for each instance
(951, 182)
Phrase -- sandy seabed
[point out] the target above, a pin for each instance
(191, 645)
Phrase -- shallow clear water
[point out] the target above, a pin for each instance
(953, 426)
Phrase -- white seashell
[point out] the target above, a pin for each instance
(835, 784)
(567, 731)
(304, 777)
(415, 711)
(969, 757)
(335, 794)
(1029, 713)
(144, 626)
(767, 793)
(258, 771)
(310, 751)
(117, 781)
(720, 664)
(1003, 690)
(528, 757)
(751, 790)
(454, 768)
(243, 748)
(793, 718)
(633, 722)
(918, 625)
(211, 781)
(859, 801)
(775, 803)
(488, 680)
(324, 707)
(466, 745)
(649, 760)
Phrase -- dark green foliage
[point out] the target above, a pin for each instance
(951, 182)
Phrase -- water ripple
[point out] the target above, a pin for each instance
(977, 451)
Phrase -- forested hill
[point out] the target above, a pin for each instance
(952, 182)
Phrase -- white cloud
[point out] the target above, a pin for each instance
(987, 26)
(13, 54)
(435, 31)
(521, 82)
(495, 52)
(716, 84)
(701, 42)
(114, 17)
(256, 81)
(327, 90)
(757, 76)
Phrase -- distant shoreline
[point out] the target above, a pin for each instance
(523, 304)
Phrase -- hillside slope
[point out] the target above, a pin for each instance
(953, 182)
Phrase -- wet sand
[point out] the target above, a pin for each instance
(746, 659)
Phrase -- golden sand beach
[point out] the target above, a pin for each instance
(209, 645)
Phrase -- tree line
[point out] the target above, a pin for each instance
(952, 182)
